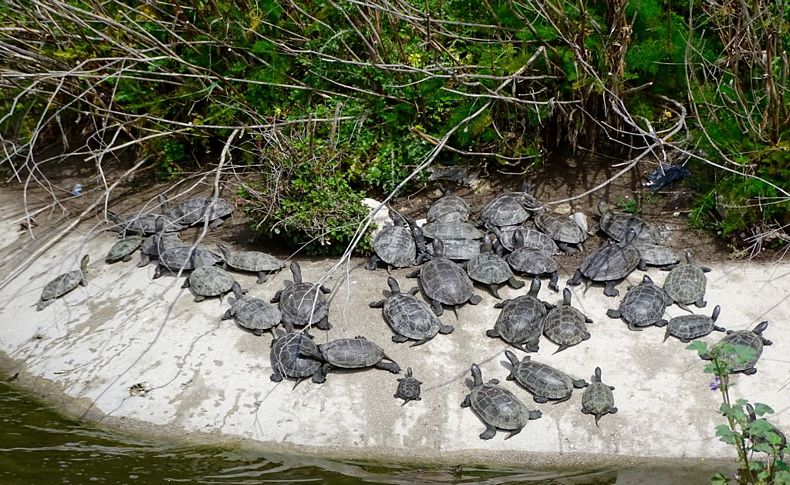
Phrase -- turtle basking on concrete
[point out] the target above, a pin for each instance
(689, 327)
(123, 249)
(506, 237)
(533, 262)
(686, 283)
(286, 355)
(459, 249)
(209, 281)
(145, 222)
(409, 318)
(184, 258)
(751, 339)
(451, 230)
(444, 282)
(567, 234)
(642, 306)
(597, 398)
(349, 353)
(303, 303)
(617, 225)
(610, 264)
(394, 245)
(252, 314)
(656, 254)
(408, 388)
(543, 381)
(253, 261)
(565, 325)
(520, 323)
(449, 208)
(63, 284)
(158, 243)
(509, 209)
(491, 270)
(199, 209)
(761, 441)
(496, 407)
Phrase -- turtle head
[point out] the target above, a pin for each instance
(602, 208)
(159, 225)
(597, 376)
(689, 257)
(750, 412)
(164, 202)
(84, 263)
(566, 297)
(397, 219)
(646, 280)
(760, 328)
(477, 376)
(715, 314)
(408, 372)
(438, 248)
(236, 288)
(630, 236)
(518, 240)
(534, 287)
(526, 187)
(512, 357)
(296, 271)
(224, 250)
(393, 284)
(487, 246)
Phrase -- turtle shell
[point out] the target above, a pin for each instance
(210, 281)
(560, 228)
(254, 261)
(521, 319)
(543, 380)
(644, 304)
(255, 314)
(178, 257)
(286, 356)
(408, 387)
(610, 262)
(395, 246)
(597, 398)
(303, 304)
(156, 243)
(617, 225)
(655, 254)
(508, 209)
(449, 208)
(532, 261)
(747, 338)
(565, 326)
(122, 249)
(690, 327)
(194, 210)
(61, 285)
(686, 283)
(451, 230)
(498, 407)
(351, 353)
(446, 282)
(489, 269)
(460, 249)
(146, 224)
(410, 317)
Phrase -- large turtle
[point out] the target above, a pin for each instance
(686, 283)
(752, 339)
(451, 230)
(491, 270)
(444, 282)
(253, 314)
(449, 208)
(286, 355)
(533, 262)
(394, 245)
(199, 209)
(597, 398)
(509, 209)
(409, 318)
(565, 325)
(566, 233)
(303, 303)
(253, 261)
(543, 381)
(350, 353)
(689, 327)
(459, 249)
(642, 306)
(532, 238)
(209, 281)
(63, 284)
(123, 249)
(521, 321)
(617, 225)
(496, 407)
(186, 258)
(656, 254)
(408, 388)
(610, 263)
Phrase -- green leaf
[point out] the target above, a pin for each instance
(700, 347)
(761, 409)
(727, 435)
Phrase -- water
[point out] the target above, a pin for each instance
(40, 446)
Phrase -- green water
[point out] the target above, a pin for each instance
(40, 446)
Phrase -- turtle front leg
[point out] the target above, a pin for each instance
(489, 433)
(437, 308)
(467, 401)
(276, 376)
(475, 299)
(320, 376)
(700, 303)
(494, 290)
(373, 263)
(262, 277)
(216, 223)
(567, 248)
(228, 314)
(515, 283)
(276, 297)
(388, 366)
(612, 313)
(445, 329)
(553, 281)
(399, 339)
(610, 289)
(750, 371)
(324, 324)
(127, 258)
(144, 260)
(576, 279)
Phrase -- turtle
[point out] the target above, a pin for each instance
(520, 323)
(686, 282)
(491, 270)
(253, 314)
(349, 353)
(496, 407)
(752, 339)
(532, 239)
(565, 325)
(123, 249)
(610, 263)
(199, 209)
(597, 398)
(208, 281)
(543, 381)
(689, 327)
(449, 208)
(63, 284)
(157, 243)
(562, 229)
(303, 303)
(451, 230)
(444, 282)
(286, 355)
(253, 261)
(409, 318)
(511, 208)
(533, 262)
(408, 388)
(642, 306)
(617, 225)
(761, 441)
(184, 258)
(394, 245)
(459, 249)
(144, 223)
(656, 254)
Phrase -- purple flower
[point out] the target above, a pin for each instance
(715, 384)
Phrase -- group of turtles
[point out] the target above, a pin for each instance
(451, 255)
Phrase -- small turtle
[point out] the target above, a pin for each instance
(520, 323)
(250, 313)
(394, 245)
(761, 442)
(63, 284)
(509, 209)
(186, 258)
(656, 254)
(449, 208)
(144, 223)
(287, 355)
(689, 327)
(562, 229)
(752, 339)
(686, 283)
(496, 407)
(459, 249)
(408, 388)
(610, 263)
(642, 306)
(409, 317)
(491, 270)
(617, 225)
(199, 209)
(543, 381)
(252, 261)
(565, 325)
(123, 249)
(303, 303)
(349, 353)
(451, 230)
(157, 243)
(444, 282)
(597, 398)
(533, 262)
(208, 281)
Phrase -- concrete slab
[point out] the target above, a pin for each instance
(139, 354)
